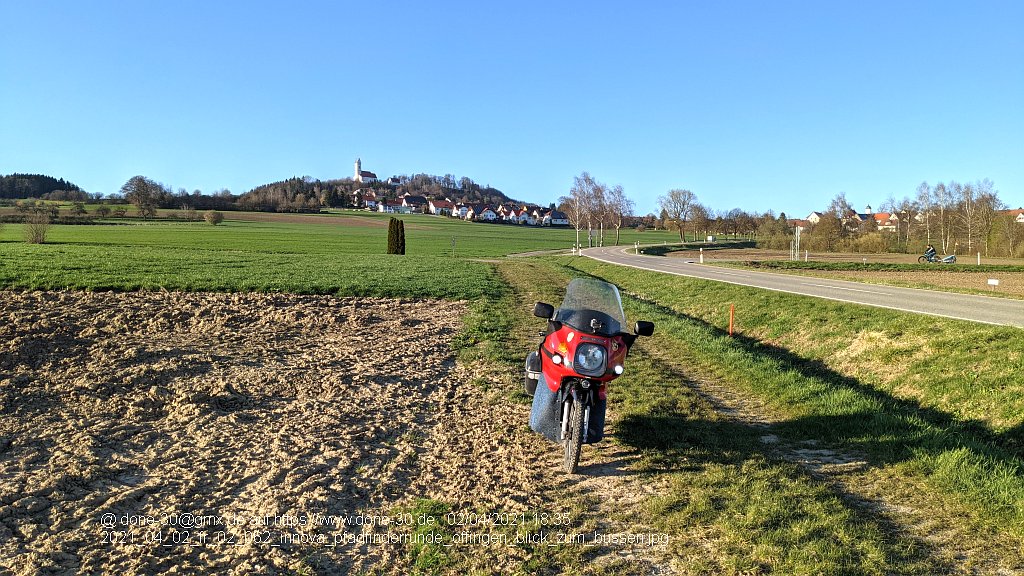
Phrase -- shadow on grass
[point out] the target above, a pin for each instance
(890, 429)
(681, 442)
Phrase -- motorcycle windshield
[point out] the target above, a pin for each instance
(592, 306)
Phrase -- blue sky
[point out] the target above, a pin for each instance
(758, 105)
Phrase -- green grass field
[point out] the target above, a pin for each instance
(341, 254)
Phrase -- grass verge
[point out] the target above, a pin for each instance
(932, 401)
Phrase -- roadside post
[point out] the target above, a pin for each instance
(979, 258)
(732, 316)
(701, 255)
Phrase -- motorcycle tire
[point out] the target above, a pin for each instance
(921, 260)
(529, 385)
(573, 443)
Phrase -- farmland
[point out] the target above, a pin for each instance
(822, 438)
(307, 254)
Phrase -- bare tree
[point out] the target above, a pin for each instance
(619, 208)
(840, 207)
(576, 205)
(678, 203)
(142, 192)
(597, 211)
(966, 198)
(988, 207)
(701, 218)
(925, 204)
(37, 224)
(1012, 232)
(943, 200)
(907, 211)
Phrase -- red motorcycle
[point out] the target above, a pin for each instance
(583, 349)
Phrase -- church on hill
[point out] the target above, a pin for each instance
(362, 175)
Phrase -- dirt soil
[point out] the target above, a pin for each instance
(268, 418)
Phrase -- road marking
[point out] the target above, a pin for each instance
(850, 289)
(790, 291)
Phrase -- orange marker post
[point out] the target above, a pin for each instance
(732, 316)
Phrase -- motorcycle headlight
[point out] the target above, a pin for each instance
(590, 359)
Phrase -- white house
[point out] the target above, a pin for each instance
(414, 203)
(556, 218)
(393, 208)
(443, 207)
(481, 213)
(365, 199)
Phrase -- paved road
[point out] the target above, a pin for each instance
(960, 306)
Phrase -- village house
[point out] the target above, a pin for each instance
(441, 207)
(1018, 215)
(363, 198)
(885, 221)
(481, 212)
(393, 207)
(803, 225)
(556, 218)
(414, 203)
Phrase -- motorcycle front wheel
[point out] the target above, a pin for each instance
(573, 441)
(921, 259)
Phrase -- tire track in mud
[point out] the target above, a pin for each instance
(874, 496)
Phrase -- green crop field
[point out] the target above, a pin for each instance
(340, 254)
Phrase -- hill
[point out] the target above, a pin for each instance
(20, 186)
(308, 194)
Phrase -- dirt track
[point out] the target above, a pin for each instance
(239, 408)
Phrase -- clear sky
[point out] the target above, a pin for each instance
(759, 105)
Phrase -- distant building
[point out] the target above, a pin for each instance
(364, 199)
(441, 207)
(1018, 215)
(362, 175)
(886, 221)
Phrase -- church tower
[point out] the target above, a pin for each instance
(359, 170)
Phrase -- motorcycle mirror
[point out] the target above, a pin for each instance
(644, 328)
(542, 310)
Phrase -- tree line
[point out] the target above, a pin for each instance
(597, 207)
(955, 217)
(23, 186)
(295, 194)
(958, 218)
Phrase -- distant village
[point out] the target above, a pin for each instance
(883, 221)
(508, 212)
